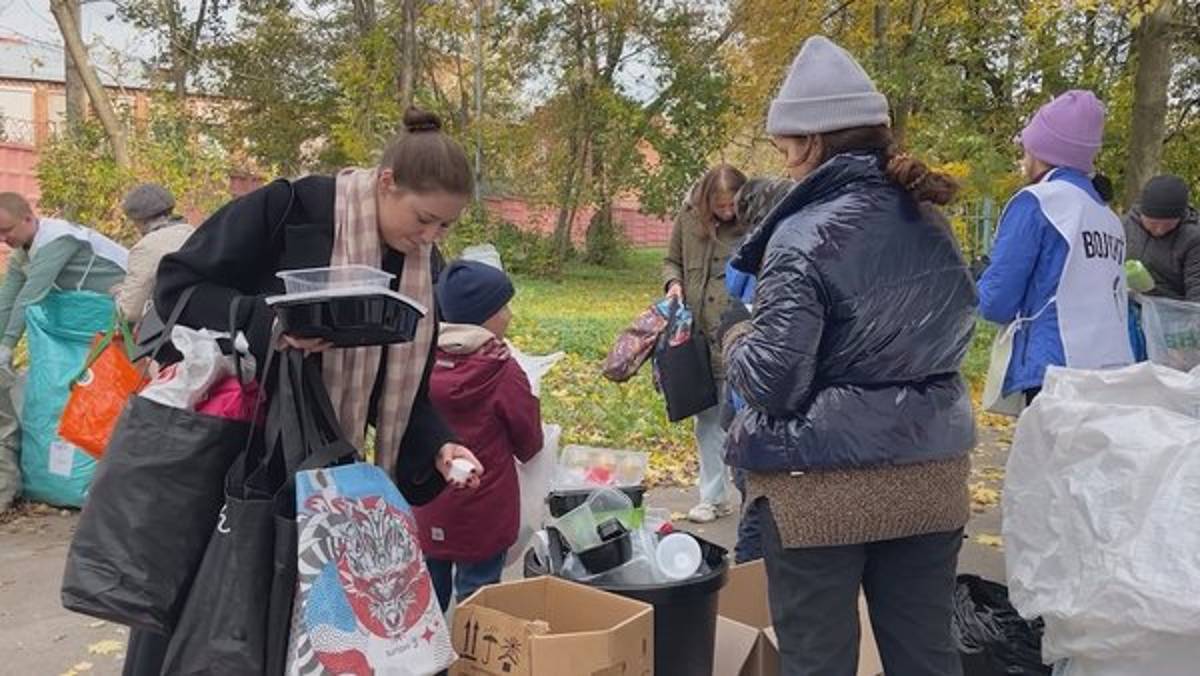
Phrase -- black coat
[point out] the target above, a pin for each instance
(1173, 260)
(236, 253)
(863, 314)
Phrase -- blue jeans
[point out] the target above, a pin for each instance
(710, 440)
(749, 532)
(463, 578)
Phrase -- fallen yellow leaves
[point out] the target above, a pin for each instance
(991, 473)
(78, 669)
(106, 648)
(983, 496)
(988, 540)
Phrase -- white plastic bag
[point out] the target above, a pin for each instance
(186, 383)
(993, 399)
(1167, 656)
(1101, 506)
(1172, 330)
(535, 366)
(534, 479)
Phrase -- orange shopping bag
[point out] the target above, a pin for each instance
(99, 392)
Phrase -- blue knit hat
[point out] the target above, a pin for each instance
(470, 292)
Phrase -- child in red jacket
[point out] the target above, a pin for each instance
(483, 394)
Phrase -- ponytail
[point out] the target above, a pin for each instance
(908, 172)
(924, 184)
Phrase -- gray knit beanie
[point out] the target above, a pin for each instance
(826, 90)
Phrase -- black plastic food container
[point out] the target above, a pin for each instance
(561, 502)
(350, 321)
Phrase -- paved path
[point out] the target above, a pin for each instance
(38, 637)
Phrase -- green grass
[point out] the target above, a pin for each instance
(581, 315)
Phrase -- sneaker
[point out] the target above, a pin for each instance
(706, 513)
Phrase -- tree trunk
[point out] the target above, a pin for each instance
(364, 16)
(76, 93)
(879, 29)
(104, 109)
(179, 73)
(906, 101)
(408, 59)
(478, 121)
(568, 199)
(185, 40)
(1148, 125)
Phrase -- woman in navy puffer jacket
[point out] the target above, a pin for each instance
(858, 425)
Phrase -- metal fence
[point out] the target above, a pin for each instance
(974, 225)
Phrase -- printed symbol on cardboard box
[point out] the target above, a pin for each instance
(486, 645)
(511, 655)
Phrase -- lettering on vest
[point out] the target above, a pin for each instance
(1098, 244)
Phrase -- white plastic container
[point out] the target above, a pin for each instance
(678, 556)
(334, 279)
(461, 470)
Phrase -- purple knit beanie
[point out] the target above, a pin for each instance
(1067, 132)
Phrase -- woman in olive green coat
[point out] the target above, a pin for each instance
(705, 236)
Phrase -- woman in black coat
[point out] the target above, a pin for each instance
(397, 212)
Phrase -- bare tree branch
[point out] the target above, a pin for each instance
(104, 108)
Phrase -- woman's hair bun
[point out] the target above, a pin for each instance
(418, 120)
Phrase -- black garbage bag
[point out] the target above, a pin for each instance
(238, 616)
(993, 639)
(150, 512)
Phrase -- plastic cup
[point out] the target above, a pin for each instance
(460, 470)
(678, 556)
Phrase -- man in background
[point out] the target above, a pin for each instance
(48, 254)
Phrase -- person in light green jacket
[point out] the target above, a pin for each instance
(48, 254)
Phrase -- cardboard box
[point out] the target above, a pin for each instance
(551, 627)
(746, 641)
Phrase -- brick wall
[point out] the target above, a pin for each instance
(642, 230)
(18, 173)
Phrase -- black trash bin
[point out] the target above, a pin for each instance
(685, 612)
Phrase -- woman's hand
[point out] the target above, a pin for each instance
(306, 345)
(675, 291)
(448, 454)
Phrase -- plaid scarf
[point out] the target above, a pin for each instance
(350, 374)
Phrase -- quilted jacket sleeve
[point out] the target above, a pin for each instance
(1191, 267)
(773, 365)
(1018, 242)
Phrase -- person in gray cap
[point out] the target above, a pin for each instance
(856, 435)
(1163, 232)
(151, 209)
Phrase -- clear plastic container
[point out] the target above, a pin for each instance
(333, 279)
(578, 526)
(582, 466)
